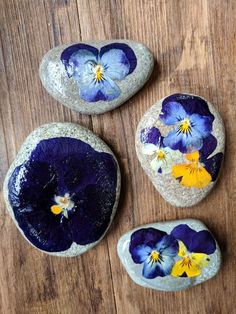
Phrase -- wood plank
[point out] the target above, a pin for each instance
(195, 49)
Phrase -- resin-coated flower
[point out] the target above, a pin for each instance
(191, 119)
(163, 157)
(199, 171)
(97, 70)
(64, 193)
(194, 250)
(155, 250)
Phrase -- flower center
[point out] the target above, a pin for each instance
(63, 205)
(98, 71)
(160, 155)
(154, 256)
(186, 262)
(185, 126)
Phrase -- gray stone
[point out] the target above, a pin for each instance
(52, 167)
(68, 90)
(184, 162)
(205, 268)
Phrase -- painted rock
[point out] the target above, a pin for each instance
(63, 188)
(170, 256)
(96, 77)
(180, 145)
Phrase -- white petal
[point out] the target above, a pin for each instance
(156, 164)
(149, 149)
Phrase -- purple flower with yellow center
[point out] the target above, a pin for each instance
(199, 170)
(191, 119)
(96, 70)
(155, 250)
(194, 250)
(63, 194)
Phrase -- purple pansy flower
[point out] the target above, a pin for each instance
(96, 70)
(155, 250)
(162, 156)
(192, 120)
(64, 193)
(194, 250)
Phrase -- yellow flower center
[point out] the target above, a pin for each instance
(161, 155)
(186, 262)
(185, 126)
(154, 257)
(63, 205)
(98, 70)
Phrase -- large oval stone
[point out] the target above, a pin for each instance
(62, 189)
(170, 256)
(180, 145)
(96, 77)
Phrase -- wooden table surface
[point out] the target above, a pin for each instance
(194, 44)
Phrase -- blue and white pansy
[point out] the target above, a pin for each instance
(162, 157)
(96, 71)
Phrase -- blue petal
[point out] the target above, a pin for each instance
(147, 236)
(168, 246)
(213, 164)
(116, 64)
(172, 113)
(158, 269)
(201, 124)
(203, 242)
(76, 55)
(208, 147)
(150, 135)
(191, 104)
(184, 233)
(185, 143)
(141, 253)
(129, 53)
(92, 91)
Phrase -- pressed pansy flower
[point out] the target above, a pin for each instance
(199, 171)
(191, 119)
(155, 250)
(64, 193)
(162, 157)
(96, 71)
(194, 250)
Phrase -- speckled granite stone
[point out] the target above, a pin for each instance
(62, 189)
(96, 77)
(180, 144)
(170, 256)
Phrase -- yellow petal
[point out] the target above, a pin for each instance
(192, 175)
(190, 269)
(193, 270)
(182, 249)
(193, 157)
(201, 259)
(177, 269)
(55, 209)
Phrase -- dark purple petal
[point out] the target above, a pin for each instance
(203, 242)
(191, 104)
(150, 135)
(213, 164)
(129, 53)
(58, 166)
(208, 147)
(69, 51)
(147, 236)
(184, 233)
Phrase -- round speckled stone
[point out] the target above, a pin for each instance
(180, 144)
(96, 77)
(170, 256)
(62, 189)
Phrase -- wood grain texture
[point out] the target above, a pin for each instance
(194, 44)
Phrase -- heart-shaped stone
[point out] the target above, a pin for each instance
(170, 256)
(180, 145)
(96, 77)
(62, 189)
